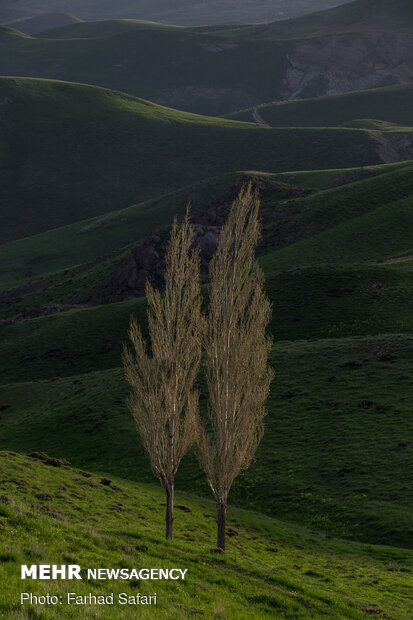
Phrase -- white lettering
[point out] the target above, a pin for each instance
(28, 572)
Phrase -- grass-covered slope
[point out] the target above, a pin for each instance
(74, 151)
(367, 220)
(309, 303)
(339, 410)
(342, 270)
(86, 240)
(358, 192)
(381, 235)
(217, 71)
(198, 71)
(393, 104)
(63, 515)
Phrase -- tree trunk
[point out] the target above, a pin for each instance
(169, 518)
(222, 518)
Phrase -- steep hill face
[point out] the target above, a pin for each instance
(346, 62)
(363, 44)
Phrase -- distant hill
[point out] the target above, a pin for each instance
(393, 104)
(74, 151)
(183, 12)
(106, 29)
(206, 73)
(45, 21)
(357, 16)
(217, 71)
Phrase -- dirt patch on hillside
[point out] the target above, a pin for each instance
(347, 62)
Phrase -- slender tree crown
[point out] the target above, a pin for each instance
(237, 348)
(163, 400)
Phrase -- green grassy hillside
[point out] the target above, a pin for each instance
(379, 236)
(338, 302)
(203, 72)
(73, 152)
(344, 399)
(87, 240)
(66, 515)
(295, 218)
(217, 71)
(393, 104)
(89, 173)
(339, 293)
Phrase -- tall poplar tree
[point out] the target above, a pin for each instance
(237, 347)
(163, 399)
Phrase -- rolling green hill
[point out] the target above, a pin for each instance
(340, 293)
(328, 396)
(88, 174)
(203, 72)
(393, 104)
(74, 152)
(357, 192)
(217, 71)
(87, 240)
(285, 570)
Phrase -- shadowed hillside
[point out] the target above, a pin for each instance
(336, 249)
(393, 104)
(172, 11)
(37, 24)
(216, 71)
(75, 151)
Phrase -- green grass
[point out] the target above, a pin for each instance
(393, 104)
(334, 456)
(88, 240)
(62, 371)
(88, 173)
(322, 179)
(309, 303)
(194, 70)
(93, 151)
(205, 70)
(63, 515)
(377, 236)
